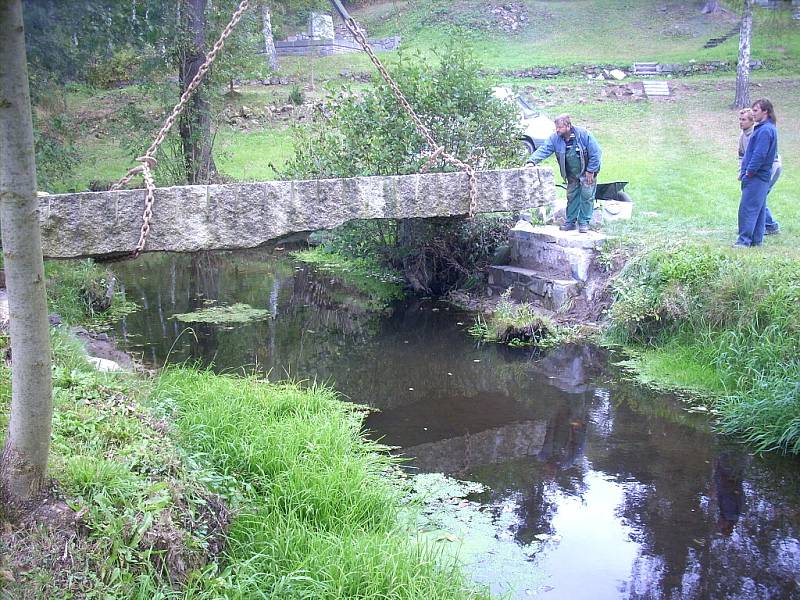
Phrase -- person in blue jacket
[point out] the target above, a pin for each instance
(578, 155)
(755, 175)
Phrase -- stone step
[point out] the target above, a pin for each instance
(645, 68)
(555, 253)
(538, 288)
(656, 88)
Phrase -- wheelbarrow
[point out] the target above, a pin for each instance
(608, 191)
(612, 203)
(612, 191)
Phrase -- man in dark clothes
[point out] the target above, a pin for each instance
(578, 155)
(755, 175)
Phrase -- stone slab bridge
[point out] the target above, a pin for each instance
(246, 215)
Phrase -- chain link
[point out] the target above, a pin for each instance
(359, 36)
(148, 161)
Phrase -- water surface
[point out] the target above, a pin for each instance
(600, 488)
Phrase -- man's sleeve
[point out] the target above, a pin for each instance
(760, 146)
(543, 151)
(595, 154)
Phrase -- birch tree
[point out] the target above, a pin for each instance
(743, 67)
(23, 463)
(269, 40)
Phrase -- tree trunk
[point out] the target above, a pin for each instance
(743, 68)
(195, 122)
(269, 41)
(710, 7)
(23, 463)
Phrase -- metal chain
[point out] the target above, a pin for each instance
(148, 160)
(438, 150)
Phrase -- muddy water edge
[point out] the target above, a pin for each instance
(593, 487)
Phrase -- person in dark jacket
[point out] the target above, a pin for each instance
(747, 124)
(578, 155)
(755, 174)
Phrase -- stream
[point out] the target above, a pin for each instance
(595, 487)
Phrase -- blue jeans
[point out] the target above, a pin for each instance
(771, 224)
(752, 211)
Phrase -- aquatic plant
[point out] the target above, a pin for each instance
(235, 313)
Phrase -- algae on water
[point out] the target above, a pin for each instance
(480, 536)
(236, 313)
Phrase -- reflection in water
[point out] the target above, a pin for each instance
(624, 494)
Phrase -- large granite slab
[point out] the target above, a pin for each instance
(245, 215)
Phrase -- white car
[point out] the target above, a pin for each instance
(536, 126)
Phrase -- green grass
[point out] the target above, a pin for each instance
(722, 323)
(517, 324)
(250, 156)
(321, 510)
(620, 32)
(677, 366)
(73, 289)
(129, 483)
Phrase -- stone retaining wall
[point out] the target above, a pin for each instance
(311, 47)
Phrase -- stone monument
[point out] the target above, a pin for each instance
(320, 27)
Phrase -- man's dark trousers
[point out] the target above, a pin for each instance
(752, 211)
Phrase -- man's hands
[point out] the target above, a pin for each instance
(530, 164)
(589, 178)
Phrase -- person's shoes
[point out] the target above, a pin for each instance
(739, 245)
(567, 227)
(774, 231)
(583, 228)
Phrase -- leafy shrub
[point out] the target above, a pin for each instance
(296, 95)
(120, 68)
(370, 134)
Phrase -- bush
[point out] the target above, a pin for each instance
(370, 134)
(120, 68)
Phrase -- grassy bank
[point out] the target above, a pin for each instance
(320, 511)
(194, 485)
(721, 324)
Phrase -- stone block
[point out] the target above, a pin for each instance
(320, 27)
(562, 253)
(246, 215)
(541, 289)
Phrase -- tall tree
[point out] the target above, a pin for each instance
(23, 463)
(743, 68)
(269, 41)
(195, 123)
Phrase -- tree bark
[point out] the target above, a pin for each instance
(195, 122)
(269, 41)
(23, 464)
(710, 7)
(743, 68)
